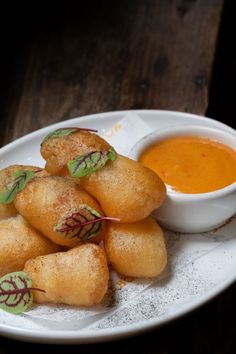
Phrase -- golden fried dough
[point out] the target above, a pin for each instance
(137, 249)
(52, 203)
(59, 151)
(124, 188)
(77, 277)
(20, 242)
(7, 210)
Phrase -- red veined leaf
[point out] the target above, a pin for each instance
(16, 292)
(83, 223)
(20, 179)
(85, 165)
(61, 132)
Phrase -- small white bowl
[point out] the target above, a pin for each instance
(192, 213)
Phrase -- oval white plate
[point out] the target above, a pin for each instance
(200, 265)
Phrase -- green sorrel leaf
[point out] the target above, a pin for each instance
(85, 165)
(15, 294)
(82, 222)
(61, 132)
(19, 180)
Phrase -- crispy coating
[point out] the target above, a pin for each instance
(124, 188)
(77, 277)
(137, 249)
(59, 151)
(45, 201)
(20, 242)
(7, 210)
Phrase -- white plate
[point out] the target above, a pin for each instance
(200, 266)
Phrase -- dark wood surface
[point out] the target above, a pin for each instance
(110, 55)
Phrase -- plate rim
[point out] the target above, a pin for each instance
(106, 115)
(101, 335)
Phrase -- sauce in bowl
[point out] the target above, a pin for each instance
(191, 164)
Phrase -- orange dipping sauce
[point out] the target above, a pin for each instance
(191, 164)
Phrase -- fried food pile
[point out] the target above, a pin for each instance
(88, 208)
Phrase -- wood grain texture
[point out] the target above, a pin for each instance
(110, 55)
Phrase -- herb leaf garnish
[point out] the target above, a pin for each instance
(61, 132)
(15, 292)
(85, 165)
(20, 179)
(83, 223)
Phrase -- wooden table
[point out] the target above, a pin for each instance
(123, 54)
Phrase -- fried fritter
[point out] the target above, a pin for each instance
(136, 249)
(20, 242)
(56, 206)
(124, 188)
(77, 277)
